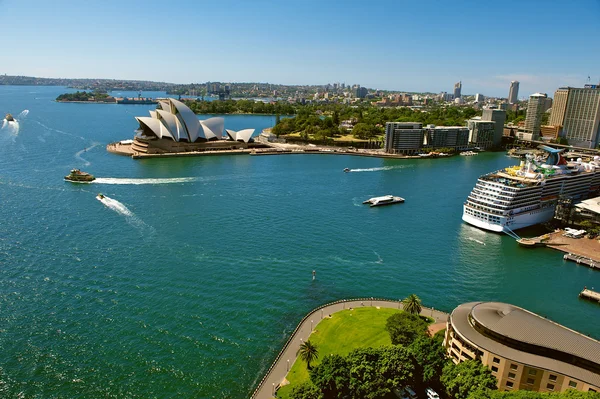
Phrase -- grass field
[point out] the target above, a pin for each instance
(344, 331)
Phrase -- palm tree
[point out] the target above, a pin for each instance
(412, 304)
(308, 352)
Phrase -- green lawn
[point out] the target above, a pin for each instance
(344, 331)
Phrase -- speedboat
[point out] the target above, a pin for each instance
(77, 176)
(383, 200)
(9, 118)
(100, 196)
(346, 170)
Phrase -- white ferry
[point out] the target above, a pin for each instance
(521, 196)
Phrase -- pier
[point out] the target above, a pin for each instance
(582, 260)
(589, 294)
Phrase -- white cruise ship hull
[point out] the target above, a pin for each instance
(513, 222)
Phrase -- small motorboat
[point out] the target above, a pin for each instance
(383, 200)
(9, 118)
(346, 170)
(100, 196)
(77, 176)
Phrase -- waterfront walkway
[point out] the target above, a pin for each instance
(277, 372)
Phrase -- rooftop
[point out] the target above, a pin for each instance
(564, 351)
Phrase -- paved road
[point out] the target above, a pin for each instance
(275, 376)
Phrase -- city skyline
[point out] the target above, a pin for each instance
(306, 43)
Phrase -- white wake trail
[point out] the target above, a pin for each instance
(79, 157)
(117, 180)
(476, 240)
(121, 209)
(379, 169)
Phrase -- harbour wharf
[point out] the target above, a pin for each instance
(275, 375)
(589, 294)
(580, 250)
(582, 260)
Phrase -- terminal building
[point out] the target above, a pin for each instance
(523, 350)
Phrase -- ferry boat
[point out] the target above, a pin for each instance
(383, 200)
(525, 195)
(78, 176)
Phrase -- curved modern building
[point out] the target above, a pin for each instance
(173, 128)
(523, 350)
(176, 121)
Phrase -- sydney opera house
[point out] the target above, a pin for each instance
(174, 128)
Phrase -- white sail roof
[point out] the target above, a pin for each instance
(155, 126)
(213, 127)
(174, 125)
(189, 119)
(242, 135)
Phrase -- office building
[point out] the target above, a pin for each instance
(533, 118)
(513, 92)
(498, 116)
(481, 133)
(361, 92)
(403, 137)
(479, 98)
(581, 123)
(523, 350)
(457, 89)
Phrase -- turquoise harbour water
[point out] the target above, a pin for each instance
(188, 288)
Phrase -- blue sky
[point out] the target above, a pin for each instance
(396, 45)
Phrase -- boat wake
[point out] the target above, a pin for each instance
(80, 158)
(121, 209)
(475, 240)
(379, 260)
(13, 126)
(117, 180)
(379, 169)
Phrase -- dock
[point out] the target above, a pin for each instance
(582, 260)
(589, 294)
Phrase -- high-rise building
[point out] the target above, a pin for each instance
(361, 92)
(513, 92)
(557, 116)
(403, 137)
(535, 109)
(481, 133)
(582, 117)
(498, 116)
(479, 98)
(457, 89)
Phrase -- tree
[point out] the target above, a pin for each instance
(412, 304)
(306, 390)
(466, 377)
(366, 379)
(308, 352)
(363, 131)
(429, 356)
(277, 118)
(397, 366)
(404, 328)
(332, 377)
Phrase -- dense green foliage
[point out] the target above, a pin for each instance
(521, 394)
(412, 304)
(429, 356)
(464, 378)
(515, 116)
(369, 121)
(365, 373)
(240, 107)
(306, 390)
(82, 96)
(404, 328)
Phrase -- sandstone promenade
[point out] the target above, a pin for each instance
(277, 372)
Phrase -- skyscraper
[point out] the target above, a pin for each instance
(513, 92)
(535, 109)
(457, 88)
(557, 116)
(582, 117)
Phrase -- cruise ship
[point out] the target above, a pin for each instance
(524, 195)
